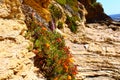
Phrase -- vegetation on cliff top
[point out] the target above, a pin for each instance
(72, 7)
(95, 11)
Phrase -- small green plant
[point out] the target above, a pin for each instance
(73, 4)
(55, 12)
(53, 58)
(60, 25)
(93, 1)
(62, 2)
(96, 4)
(71, 24)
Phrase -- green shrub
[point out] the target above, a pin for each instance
(93, 1)
(95, 4)
(60, 25)
(71, 24)
(53, 58)
(73, 4)
(62, 2)
(55, 12)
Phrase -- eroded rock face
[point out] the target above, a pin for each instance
(16, 61)
(11, 9)
(95, 11)
(97, 52)
(41, 6)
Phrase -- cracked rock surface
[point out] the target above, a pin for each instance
(16, 61)
(96, 52)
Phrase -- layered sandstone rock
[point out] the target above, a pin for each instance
(96, 52)
(16, 61)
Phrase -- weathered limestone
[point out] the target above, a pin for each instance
(16, 62)
(97, 52)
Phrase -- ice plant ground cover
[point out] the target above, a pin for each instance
(53, 58)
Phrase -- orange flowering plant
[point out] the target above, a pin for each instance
(53, 58)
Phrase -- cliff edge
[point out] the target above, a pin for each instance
(95, 11)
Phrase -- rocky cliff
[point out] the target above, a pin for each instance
(96, 52)
(95, 11)
(95, 47)
(16, 61)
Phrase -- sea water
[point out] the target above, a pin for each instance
(115, 17)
